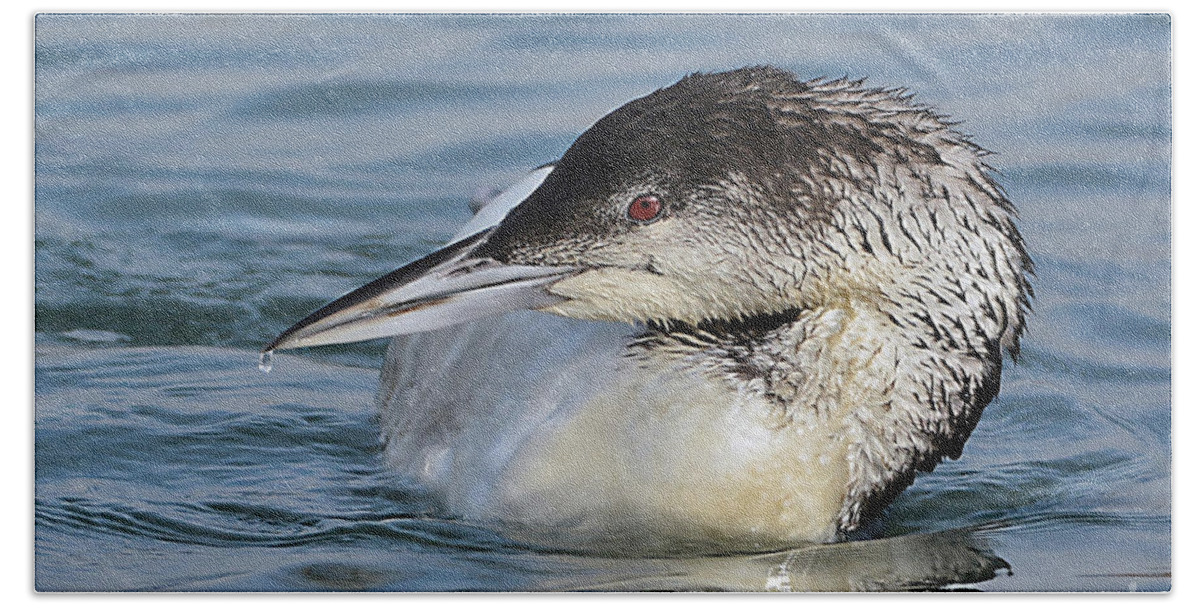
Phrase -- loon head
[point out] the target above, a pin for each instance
(686, 205)
(726, 196)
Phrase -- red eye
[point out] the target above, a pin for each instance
(645, 208)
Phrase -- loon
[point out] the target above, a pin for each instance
(774, 302)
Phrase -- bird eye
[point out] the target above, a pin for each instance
(645, 208)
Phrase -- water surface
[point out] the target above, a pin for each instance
(204, 181)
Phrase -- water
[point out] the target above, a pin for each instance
(205, 181)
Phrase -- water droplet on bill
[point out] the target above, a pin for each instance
(264, 361)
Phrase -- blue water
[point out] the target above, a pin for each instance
(202, 182)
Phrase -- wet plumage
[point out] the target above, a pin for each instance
(819, 304)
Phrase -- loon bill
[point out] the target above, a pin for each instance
(820, 280)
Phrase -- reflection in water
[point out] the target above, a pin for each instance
(915, 562)
(938, 560)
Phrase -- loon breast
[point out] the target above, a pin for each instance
(569, 433)
(572, 434)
